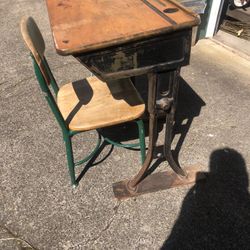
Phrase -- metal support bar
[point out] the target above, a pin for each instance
(70, 159)
(130, 187)
(140, 146)
(141, 133)
(87, 158)
(117, 144)
(173, 94)
(152, 86)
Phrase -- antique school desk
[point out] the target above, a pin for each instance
(124, 38)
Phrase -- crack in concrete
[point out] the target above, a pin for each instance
(16, 238)
(115, 208)
(1, 83)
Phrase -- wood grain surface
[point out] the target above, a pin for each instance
(91, 104)
(82, 26)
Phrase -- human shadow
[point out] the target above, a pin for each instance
(215, 213)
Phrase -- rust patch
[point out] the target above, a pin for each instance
(64, 4)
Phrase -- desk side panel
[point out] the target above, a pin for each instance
(161, 53)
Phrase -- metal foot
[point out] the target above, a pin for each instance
(175, 167)
(158, 181)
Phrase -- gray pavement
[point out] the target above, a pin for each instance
(39, 209)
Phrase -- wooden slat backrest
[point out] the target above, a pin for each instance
(34, 41)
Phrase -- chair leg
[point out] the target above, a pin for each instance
(141, 139)
(70, 159)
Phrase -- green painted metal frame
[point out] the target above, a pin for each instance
(140, 144)
(68, 134)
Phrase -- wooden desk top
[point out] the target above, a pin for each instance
(80, 26)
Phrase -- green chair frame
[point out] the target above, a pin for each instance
(34, 41)
(68, 134)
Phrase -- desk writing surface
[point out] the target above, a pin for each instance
(80, 26)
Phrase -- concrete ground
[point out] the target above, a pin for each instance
(39, 209)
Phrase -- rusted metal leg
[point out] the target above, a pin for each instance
(152, 82)
(173, 94)
(142, 184)
(129, 188)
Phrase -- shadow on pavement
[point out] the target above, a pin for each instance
(215, 214)
(189, 106)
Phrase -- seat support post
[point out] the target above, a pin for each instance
(173, 95)
(70, 159)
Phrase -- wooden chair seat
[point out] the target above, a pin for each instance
(90, 103)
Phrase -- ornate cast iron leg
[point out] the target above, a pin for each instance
(173, 94)
(129, 188)
(152, 82)
(141, 183)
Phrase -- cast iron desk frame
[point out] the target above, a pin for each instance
(101, 64)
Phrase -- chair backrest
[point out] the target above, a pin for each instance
(35, 43)
(33, 38)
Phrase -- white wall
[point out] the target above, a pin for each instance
(213, 17)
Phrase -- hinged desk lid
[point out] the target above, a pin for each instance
(80, 26)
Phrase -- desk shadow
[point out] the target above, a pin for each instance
(126, 132)
(120, 90)
(84, 93)
(189, 107)
(215, 213)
